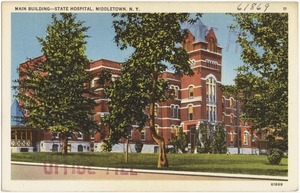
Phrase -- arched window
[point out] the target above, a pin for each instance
(191, 112)
(191, 92)
(211, 90)
(246, 137)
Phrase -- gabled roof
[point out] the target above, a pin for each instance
(16, 114)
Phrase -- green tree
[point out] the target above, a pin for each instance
(218, 144)
(263, 79)
(53, 92)
(181, 142)
(156, 39)
(204, 142)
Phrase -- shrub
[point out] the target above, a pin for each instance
(275, 156)
(106, 146)
(139, 146)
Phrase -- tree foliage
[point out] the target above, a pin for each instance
(263, 79)
(53, 91)
(156, 39)
(218, 144)
(181, 142)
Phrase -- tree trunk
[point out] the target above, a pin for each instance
(64, 149)
(126, 157)
(162, 157)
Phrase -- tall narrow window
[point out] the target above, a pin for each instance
(191, 112)
(176, 131)
(231, 103)
(231, 137)
(176, 92)
(143, 135)
(191, 92)
(172, 109)
(173, 132)
(246, 138)
(223, 117)
(211, 90)
(177, 112)
(155, 110)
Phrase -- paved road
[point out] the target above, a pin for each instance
(32, 172)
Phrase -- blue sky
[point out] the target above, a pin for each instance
(27, 26)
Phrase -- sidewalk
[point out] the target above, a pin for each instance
(169, 172)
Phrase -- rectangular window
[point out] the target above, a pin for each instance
(176, 93)
(79, 135)
(177, 112)
(143, 135)
(191, 113)
(172, 111)
(155, 110)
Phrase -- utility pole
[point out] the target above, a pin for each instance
(238, 124)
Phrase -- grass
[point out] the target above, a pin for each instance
(214, 163)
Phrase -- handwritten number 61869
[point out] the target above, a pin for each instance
(253, 6)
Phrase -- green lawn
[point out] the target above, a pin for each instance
(215, 163)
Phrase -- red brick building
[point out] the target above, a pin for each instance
(197, 99)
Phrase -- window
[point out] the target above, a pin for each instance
(80, 148)
(174, 132)
(223, 117)
(231, 137)
(246, 138)
(155, 110)
(211, 90)
(231, 103)
(176, 92)
(93, 82)
(143, 135)
(177, 111)
(231, 119)
(79, 135)
(191, 92)
(191, 112)
(55, 148)
(172, 111)
(69, 147)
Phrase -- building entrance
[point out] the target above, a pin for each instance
(192, 141)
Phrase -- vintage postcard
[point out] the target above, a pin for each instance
(150, 96)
